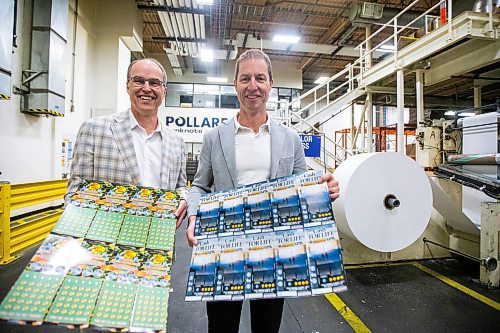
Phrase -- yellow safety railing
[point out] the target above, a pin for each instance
(20, 234)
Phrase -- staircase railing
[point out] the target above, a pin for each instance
(349, 84)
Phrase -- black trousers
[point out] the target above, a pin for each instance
(265, 316)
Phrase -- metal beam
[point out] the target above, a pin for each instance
(467, 25)
(180, 39)
(466, 62)
(173, 9)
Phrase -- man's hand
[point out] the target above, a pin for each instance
(333, 185)
(190, 231)
(180, 212)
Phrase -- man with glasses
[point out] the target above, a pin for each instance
(133, 146)
(249, 148)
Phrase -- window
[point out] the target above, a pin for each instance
(206, 96)
(228, 99)
(179, 95)
(221, 96)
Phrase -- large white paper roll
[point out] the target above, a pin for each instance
(385, 200)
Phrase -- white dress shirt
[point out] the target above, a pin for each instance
(253, 153)
(148, 150)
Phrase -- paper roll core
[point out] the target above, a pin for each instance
(391, 202)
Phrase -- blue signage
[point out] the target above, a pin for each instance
(311, 144)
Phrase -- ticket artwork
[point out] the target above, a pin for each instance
(106, 264)
(268, 240)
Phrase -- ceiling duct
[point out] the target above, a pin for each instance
(181, 21)
(364, 14)
(47, 65)
(6, 37)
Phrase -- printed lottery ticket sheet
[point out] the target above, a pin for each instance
(266, 240)
(106, 263)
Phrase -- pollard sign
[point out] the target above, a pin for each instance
(192, 123)
(311, 144)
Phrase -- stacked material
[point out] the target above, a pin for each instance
(106, 263)
(267, 240)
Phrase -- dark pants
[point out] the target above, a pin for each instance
(265, 316)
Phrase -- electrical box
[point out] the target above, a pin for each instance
(48, 54)
(372, 11)
(6, 38)
(428, 151)
(452, 139)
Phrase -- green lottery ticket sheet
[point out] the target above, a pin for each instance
(114, 305)
(92, 190)
(74, 301)
(75, 221)
(121, 193)
(150, 309)
(94, 259)
(30, 297)
(125, 263)
(104, 265)
(155, 269)
(57, 254)
(134, 230)
(106, 226)
(161, 234)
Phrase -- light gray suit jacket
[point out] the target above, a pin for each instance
(217, 162)
(104, 151)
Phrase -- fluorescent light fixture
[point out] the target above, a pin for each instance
(462, 114)
(207, 55)
(177, 71)
(387, 47)
(321, 80)
(286, 39)
(217, 79)
(205, 2)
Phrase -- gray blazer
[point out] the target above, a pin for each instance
(217, 162)
(104, 151)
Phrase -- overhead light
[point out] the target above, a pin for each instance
(205, 2)
(387, 48)
(286, 39)
(217, 79)
(177, 71)
(207, 55)
(321, 80)
(460, 114)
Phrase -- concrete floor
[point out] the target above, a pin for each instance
(394, 298)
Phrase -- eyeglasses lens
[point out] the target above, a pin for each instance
(140, 82)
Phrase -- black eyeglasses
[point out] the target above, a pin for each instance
(139, 81)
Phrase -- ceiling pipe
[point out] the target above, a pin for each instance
(254, 42)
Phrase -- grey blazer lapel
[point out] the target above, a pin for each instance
(226, 136)
(277, 144)
(123, 138)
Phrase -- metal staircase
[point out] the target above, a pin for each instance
(472, 37)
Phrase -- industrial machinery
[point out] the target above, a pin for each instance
(471, 158)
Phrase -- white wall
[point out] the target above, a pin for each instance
(30, 146)
(285, 75)
(122, 101)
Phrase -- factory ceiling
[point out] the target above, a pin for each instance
(329, 32)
